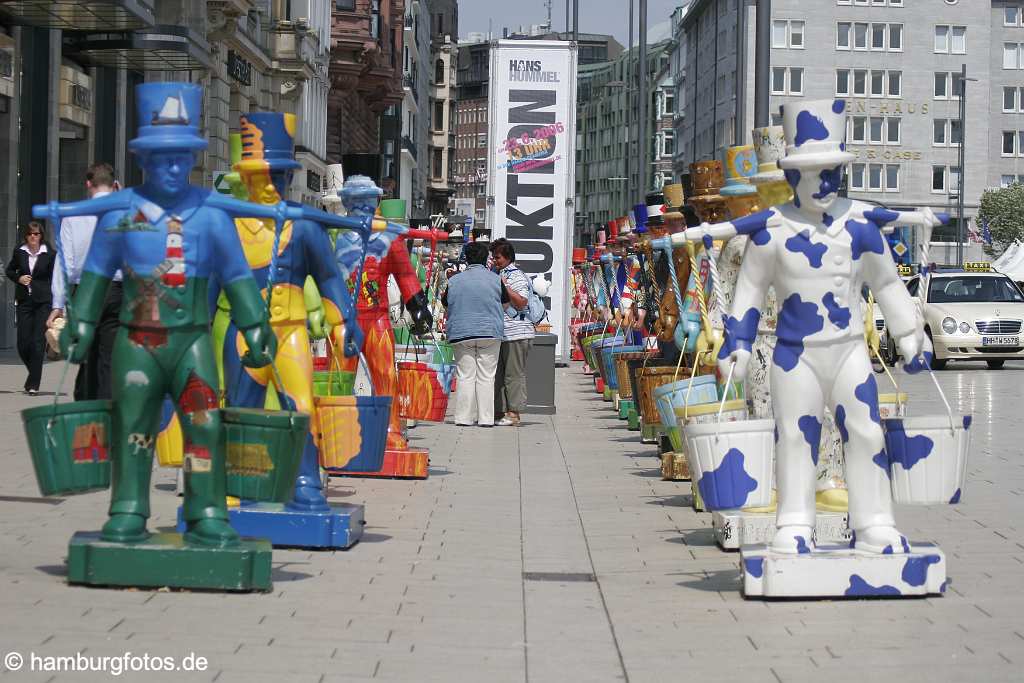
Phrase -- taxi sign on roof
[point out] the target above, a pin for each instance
(977, 266)
(905, 271)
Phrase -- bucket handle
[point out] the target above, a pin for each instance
(942, 395)
(899, 401)
(721, 406)
(689, 387)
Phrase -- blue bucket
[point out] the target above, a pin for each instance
(353, 431)
(608, 361)
(599, 347)
(670, 396)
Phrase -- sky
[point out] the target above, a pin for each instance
(596, 16)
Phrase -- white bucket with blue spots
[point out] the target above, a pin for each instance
(927, 458)
(732, 464)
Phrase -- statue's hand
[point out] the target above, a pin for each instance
(930, 216)
(737, 363)
(262, 345)
(75, 340)
(318, 328)
(354, 339)
(911, 345)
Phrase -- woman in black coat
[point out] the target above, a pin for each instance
(31, 269)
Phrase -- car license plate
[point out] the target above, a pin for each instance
(1000, 341)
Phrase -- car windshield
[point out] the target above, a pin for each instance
(970, 289)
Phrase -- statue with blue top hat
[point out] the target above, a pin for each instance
(818, 251)
(169, 239)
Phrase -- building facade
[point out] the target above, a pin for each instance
(898, 66)
(444, 32)
(608, 133)
(416, 74)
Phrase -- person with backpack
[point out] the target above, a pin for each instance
(510, 378)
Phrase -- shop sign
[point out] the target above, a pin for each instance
(872, 154)
(81, 97)
(885, 107)
(314, 181)
(239, 69)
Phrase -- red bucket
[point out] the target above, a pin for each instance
(421, 392)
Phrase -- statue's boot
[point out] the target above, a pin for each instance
(211, 532)
(883, 540)
(793, 539)
(125, 527)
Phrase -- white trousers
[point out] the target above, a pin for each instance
(839, 376)
(476, 362)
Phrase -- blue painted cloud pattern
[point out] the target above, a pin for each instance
(756, 226)
(864, 238)
(809, 127)
(797, 320)
(739, 334)
(903, 449)
(837, 315)
(728, 486)
(810, 427)
(801, 243)
(915, 570)
(867, 393)
(861, 588)
(754, 566)
(831, 181)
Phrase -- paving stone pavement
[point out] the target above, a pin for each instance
(549, 552)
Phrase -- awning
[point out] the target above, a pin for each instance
(157, 48)
(79, 15)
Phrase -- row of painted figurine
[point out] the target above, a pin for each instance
(190, 256)
(813, 254)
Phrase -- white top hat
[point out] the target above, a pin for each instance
(335, 179)
(815, 134)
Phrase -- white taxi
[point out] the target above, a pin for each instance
(972, 313)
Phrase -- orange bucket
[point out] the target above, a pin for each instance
(421, 392)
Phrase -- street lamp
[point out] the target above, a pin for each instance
(960, 180)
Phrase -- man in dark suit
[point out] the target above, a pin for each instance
(31, 268)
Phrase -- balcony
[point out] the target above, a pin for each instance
(409, 146)
(410, 83)
(75, 15)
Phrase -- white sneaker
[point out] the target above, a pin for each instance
(508, 422)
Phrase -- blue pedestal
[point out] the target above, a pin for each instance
(340, 527)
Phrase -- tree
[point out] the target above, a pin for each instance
(1003, 211)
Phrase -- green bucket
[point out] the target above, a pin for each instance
(70, 446)
(264, 449)
(341, 383)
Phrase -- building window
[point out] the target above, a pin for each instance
(438, 115)
(858, 127)
(878, 36)
(779, 80)
(669, 101)
(951, 39)
(345, 5)
(860, 82)
(796, 81)
(481, 140)
(857, 176)
(1012, 16)
(1007, 180)
(668, 143)
(843, 35)
(842, 81)
(892, 130)
(956, 135)
(787, 80)
(895, 37)
(1013, 55)
(439, 72)
(895, 83)
(788, 33)
(878, 84)
(875, 130)
(938, 178)
(875, 177)
(796, 34)
(1009, 99)
(1009, 143)
(892, 178)
(780, 29)
(939, 138)
(860, 36)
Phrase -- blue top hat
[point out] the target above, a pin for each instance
(168, 117)
(361, 194)
(640, 214)
(268, 142)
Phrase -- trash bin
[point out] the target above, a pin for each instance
(540, 375)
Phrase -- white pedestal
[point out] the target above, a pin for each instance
(735, 528)
(839, 571)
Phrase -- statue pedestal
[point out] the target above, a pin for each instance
(736, 528)
(625, 405)
(398, 464)
(839, 571)
(633, 419)
(338, 528)
(675, 467)
(165, 559)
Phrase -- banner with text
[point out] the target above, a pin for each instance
(531, 163)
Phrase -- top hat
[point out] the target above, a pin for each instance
(335, 180)
(707, 178)
(641, 217)
(168, 116)
(268, 142)
(674, 196)
(815, 134)
(393, 209)
(740, 165)
(770, 146)
(613, 230)
(625, 228)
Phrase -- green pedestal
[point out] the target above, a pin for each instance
(625, 406)
(607, 393)
(165, 559)
(633, 418)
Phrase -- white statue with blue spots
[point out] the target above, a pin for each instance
(817, 252)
